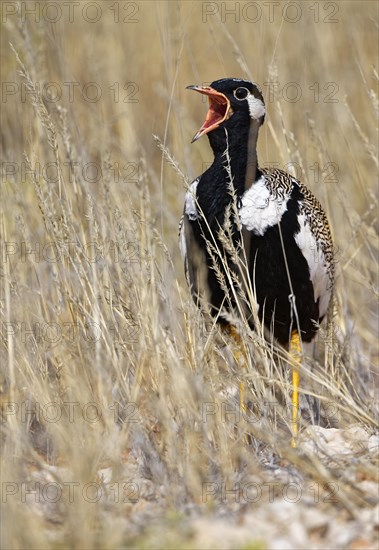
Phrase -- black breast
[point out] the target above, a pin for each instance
(279, 269)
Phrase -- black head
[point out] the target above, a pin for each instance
(228, 98)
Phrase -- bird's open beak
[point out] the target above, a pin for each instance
(219, 109)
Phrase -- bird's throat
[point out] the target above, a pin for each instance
(252, 159)
(237, 146)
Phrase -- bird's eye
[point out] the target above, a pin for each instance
(241, 93)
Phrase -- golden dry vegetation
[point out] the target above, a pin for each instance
(120, 418)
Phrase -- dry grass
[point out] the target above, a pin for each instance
(96, 316)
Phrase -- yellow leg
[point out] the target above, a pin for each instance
(295, 353)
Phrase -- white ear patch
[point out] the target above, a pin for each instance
(256, 108)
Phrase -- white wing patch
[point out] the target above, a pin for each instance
(256, 107)
(182, 241)
(314, 255)
(260, 210)
(190, 204)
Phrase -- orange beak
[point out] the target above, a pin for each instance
(219, 109)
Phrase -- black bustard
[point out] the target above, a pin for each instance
(273, 219)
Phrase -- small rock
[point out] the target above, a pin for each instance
(373, 444)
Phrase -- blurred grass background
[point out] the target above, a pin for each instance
(100, 312)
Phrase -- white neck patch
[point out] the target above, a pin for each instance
(259, 209)
(256, 108)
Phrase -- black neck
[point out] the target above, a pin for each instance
(241, 143)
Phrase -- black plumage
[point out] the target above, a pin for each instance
(280, 224)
